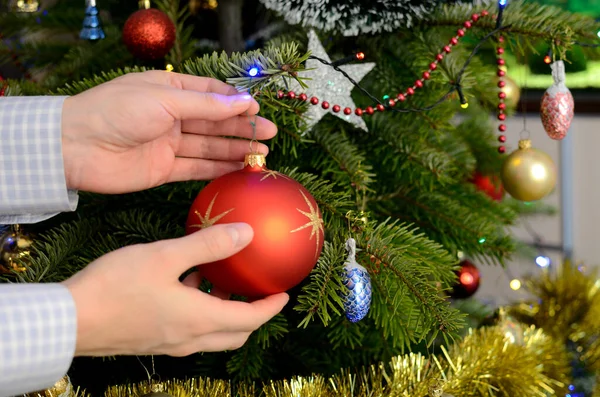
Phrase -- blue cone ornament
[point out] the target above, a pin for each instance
(358, 284)
(92, 27)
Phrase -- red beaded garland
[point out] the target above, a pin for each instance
(501, 117)
(502, 106)
(501, 73)
(500, 51)
(502, 138)
(501, 62)
(402, 95)
(501, 83)
(502, 95)
(502, 127)
(501, 149)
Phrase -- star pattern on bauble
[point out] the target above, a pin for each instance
(329, 85)
(272, 174)
(315, 222)
(207, 220)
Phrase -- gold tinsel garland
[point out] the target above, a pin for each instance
(491, 361)
(512, 358)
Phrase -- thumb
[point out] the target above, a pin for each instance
(207, 245)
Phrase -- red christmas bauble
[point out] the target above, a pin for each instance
(468, 281)
(149, 34)
(287, 223)
(490, 185)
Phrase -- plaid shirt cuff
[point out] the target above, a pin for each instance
(32, 177)
(38, 330)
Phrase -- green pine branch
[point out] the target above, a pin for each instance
(272, 62)
(527, 21)
(340, 159)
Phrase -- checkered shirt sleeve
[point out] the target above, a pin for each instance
(32, 176)
(37, 336)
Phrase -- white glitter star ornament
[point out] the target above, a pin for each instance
(329, 85)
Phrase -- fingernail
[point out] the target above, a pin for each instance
(241, 234)
(241, 100)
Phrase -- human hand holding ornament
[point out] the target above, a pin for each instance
(146, 310)
(142, 130)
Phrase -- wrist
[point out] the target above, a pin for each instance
(70, 125)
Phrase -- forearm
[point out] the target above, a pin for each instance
(38, 328)
(32, 176)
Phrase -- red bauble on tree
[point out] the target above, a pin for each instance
(287, 224)
(468, 281)
(149, 34)
(490, 185)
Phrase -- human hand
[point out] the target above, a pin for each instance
(142, 130)
(130, 301)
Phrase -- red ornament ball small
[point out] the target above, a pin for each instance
(149, 34)
(468, 281)
(287, 224)
(490, 185)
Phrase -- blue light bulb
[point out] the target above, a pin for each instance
(542, 261)
(502, 3)
(253, 72)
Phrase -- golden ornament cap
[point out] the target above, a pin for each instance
(525, 144)
(255, 160)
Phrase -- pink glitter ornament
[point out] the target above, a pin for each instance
(557, 108)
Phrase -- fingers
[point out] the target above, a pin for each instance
(237, 316)
(188, 169)
(236, 126)
(192, 280)
(217, 293)
(216, 148)
(184, 82)
(205, 246)
(216, 342)
(190, 105)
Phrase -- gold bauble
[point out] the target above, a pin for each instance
(512, 91)
(14, 250)
(62, 388)
(528, 174)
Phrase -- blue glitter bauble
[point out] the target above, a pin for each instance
(358, 297)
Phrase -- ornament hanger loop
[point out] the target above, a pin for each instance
(351, 248)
